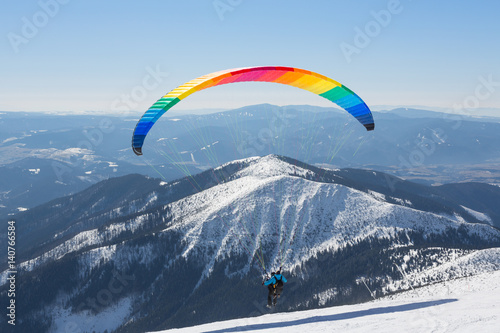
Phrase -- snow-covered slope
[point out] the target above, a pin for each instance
(261, 213)
(268, 203)
(462, 305)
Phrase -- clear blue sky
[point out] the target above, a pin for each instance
(87, 55)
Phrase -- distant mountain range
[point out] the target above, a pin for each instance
(144, 254)
(44, 156)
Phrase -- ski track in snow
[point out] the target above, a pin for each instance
(459, 306)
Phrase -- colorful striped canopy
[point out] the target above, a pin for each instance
(300, 78)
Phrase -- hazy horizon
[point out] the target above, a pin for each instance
(480, 112)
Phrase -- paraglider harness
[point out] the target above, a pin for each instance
(279, 283)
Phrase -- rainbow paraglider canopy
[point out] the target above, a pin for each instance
(300, 78)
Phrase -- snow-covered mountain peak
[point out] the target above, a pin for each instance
(266, 205)
(270, 202)
(268, 166)
(204, 239)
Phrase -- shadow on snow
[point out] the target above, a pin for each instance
(338, 316)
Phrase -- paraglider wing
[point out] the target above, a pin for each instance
(300, 78)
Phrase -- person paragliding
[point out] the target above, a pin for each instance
(275, 285)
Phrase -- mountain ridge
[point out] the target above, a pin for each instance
(219, 230)
(147, 192)
(68, 153)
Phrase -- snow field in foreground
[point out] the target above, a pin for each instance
(469, 304)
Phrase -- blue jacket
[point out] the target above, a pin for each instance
(275, 279)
